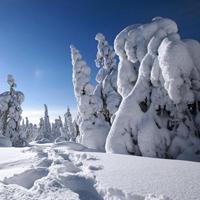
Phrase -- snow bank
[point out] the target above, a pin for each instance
(140, 176)
(24, 179)
(71, 146)
(15, 161)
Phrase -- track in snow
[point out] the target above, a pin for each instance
(60, 174)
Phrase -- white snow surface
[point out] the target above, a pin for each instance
(70, 171)
(14, 160)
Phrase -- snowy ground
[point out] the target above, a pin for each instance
(69, 171)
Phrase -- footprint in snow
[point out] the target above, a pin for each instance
(27, 178)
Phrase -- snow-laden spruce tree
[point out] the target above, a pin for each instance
(23, 132)
(159, 80)
(44, 130)
(70, 125)
(57, 127)
(47, 125)
(40, 130)
(107, 78)
(4, 101)
(65, 130)
(23, 127)
(28, 130)
(76, 129)
(12, 115)
(34, 131)
(92, 125)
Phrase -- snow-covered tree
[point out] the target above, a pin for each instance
(159, 79)
(70, 125)
(65, 130)
(12, 115)
(107, 78)
(57, 127)
(76, 128)
(92, 125)
(40, 135)
(23, 130)
(4, 103)
(44, 130)
(34, 131)
(47, 125)
(28, 130)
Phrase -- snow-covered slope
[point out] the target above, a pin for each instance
(71, 171)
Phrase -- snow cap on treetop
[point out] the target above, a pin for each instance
(100, 37)
(11, 81)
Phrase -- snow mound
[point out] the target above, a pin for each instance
(156, 197)
(15, 192)
(27, 178)
(71, 146)
(82, 185)
(43, 141)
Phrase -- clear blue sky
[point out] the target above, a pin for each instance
(35, 36)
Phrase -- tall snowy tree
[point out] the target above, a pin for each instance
(107, 78)
(41, 131)
(92, 125)
(70, 125)
(65, 130)
(4, 103)
(57, 127)
(159, 79)
(28, 130)
(13, 115)
(34, 131)
(44, 131)
(47, 125)
(23, 130)
(76, 129)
